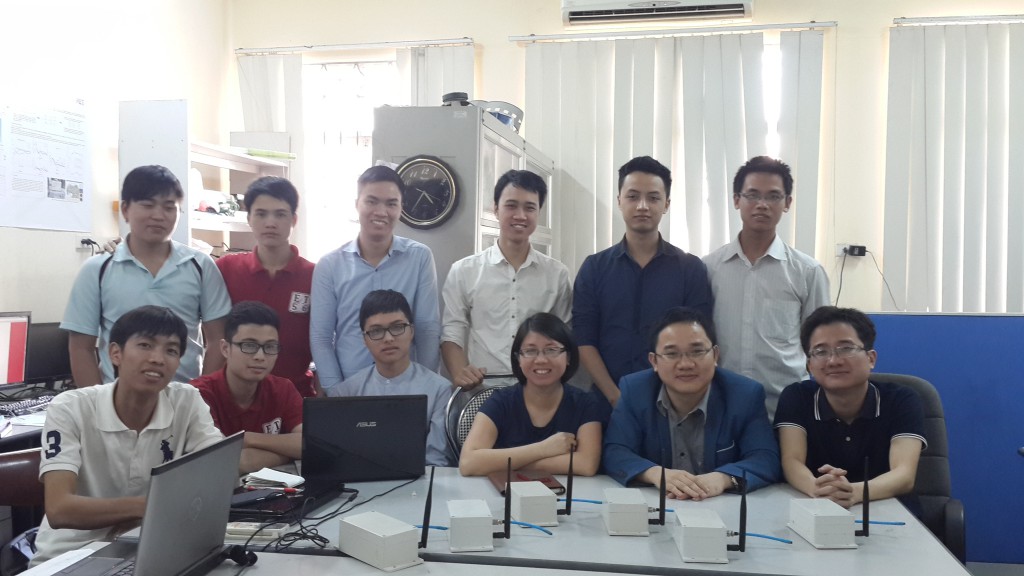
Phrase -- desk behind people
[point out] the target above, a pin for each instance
(581, 542)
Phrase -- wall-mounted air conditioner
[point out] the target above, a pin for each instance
(575, 12)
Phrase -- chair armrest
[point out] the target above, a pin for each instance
(956, 529)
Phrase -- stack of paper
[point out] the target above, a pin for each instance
(270, 478)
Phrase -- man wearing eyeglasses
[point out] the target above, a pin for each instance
(763, 287)
(705, 426)
(827, 426)
(245, 396)
(385, 319)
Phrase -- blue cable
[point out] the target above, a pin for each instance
(897, 523)
(431, 526)
(582, 500)
(766, 537)
(534, 526)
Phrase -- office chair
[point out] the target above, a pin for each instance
(941, 513)
(19, 475)
(462, 408)
(19, 479)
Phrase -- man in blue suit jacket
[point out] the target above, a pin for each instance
(706, 425)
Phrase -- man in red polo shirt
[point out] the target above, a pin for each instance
(245, 396)
(275, 274)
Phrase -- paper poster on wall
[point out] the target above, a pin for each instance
(44, 166)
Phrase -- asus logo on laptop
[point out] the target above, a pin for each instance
(366, 424)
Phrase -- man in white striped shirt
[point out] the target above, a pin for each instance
(764, 289)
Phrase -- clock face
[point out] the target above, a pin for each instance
(431, 194)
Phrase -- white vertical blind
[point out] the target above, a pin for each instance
(270, 92)
(430, 72)
(695, 103)
(954, 165)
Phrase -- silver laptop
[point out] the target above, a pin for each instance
(185, 519)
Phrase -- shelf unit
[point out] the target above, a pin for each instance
(156, 132)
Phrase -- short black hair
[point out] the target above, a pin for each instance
(524, 179)
(249, 312)
(647, 165)
(380, 174)
(148, 182)
(763, 164)
(383, 302)
(683, 315)
(149, 321)
(826, 315)
(275, 187)
(549, 326)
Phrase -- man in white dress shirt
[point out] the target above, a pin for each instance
(487, 295)
(764, 289)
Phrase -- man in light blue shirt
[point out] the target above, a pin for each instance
(147, 268)
(375, 260)
(387, 330)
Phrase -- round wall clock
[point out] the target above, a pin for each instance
(431, 193)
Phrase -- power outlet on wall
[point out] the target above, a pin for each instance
(850, 250)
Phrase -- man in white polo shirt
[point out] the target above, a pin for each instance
(488, 295)
(101, 443)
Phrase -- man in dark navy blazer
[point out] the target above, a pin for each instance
(707, 426)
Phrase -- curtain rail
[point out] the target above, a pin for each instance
(647, 33)
(349, 47)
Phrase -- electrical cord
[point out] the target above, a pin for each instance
(584, 500)
(534, 526)
(884, 281)
(431, 527)
(765, 536)
(841, 269)
(883, 522)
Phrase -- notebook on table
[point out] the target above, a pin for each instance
(183, 526)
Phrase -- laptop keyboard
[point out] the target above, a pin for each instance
(127, 570)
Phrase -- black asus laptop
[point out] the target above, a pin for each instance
(183, 527)
(349, 439)
(364, 438)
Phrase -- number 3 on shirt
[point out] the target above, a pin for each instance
(53, 444)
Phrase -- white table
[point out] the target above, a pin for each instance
(580, 542)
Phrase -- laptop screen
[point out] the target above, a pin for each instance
(364, 438)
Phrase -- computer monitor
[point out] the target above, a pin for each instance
(13, 347)
(48, 358)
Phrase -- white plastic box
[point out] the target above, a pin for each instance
(822, 522)
(534, 503)
(625, 512)
(379, 540)
(700, 536)
(471, 526)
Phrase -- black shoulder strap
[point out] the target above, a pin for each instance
(103, 270)
(199, 269)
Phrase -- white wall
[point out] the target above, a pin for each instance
(105, 51)
(851, 199)
(111, 50)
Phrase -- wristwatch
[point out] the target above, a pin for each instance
(735, 482)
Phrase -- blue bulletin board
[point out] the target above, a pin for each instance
(977, 365)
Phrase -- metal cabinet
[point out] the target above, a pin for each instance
(479, 149)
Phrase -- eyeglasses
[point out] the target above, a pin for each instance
(773, 198)
(270, 348)
(377, 332)
(824, 354)
(547, 352)
(675, 356)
